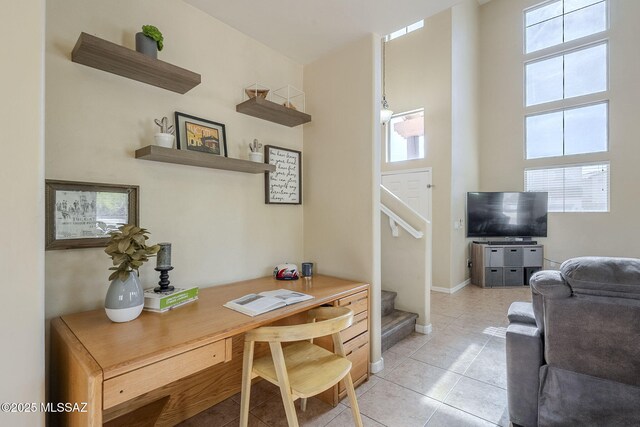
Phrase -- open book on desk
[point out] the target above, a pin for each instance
(254, 304)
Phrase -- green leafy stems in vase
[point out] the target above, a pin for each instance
(128, 250)
(155, 34)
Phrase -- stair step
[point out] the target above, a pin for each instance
(388, 302)
(396, 326)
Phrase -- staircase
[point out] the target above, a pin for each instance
(396, 324)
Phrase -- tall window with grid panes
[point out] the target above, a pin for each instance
(567, 103)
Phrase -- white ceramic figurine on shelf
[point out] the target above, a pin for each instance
(255, 154)
(165, 137)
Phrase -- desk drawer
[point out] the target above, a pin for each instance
(127, 386)
(359, 357)
(359, 326)
(357, 302)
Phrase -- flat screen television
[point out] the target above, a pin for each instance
(515, 214)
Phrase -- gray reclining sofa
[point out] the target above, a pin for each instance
(573, 355)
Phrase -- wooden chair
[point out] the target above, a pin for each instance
(301, 369)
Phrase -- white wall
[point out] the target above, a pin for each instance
(217, 221)
(418, 75)
(341, 174)
(502, 128)
(22, 175)
(464, 128)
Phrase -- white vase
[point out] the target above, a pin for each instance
(164, 139)
(256, 157)
(124, 300)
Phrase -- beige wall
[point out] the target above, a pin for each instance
(406, 261)
(418, 74)
(217, 221)
(464, 139)
(502, 130)
(22, 175)
(340, 168)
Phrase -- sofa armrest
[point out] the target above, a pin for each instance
(547, 284)
(524, 359)
(521, 312)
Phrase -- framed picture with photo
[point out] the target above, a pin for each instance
(82, 214)
(201, 135)
(284, 186)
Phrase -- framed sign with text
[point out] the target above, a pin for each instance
(284, 186)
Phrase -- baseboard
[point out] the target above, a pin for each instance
(451, 290)
(424, 329)
(376, 367)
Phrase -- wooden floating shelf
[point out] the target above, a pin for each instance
(95, 52)
(204, 160)
(268, 110)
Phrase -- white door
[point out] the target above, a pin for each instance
(413, 188)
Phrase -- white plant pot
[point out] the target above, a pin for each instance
(164, 139)
(124, 300)
(256, 157)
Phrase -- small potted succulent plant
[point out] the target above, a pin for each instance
(128, 251)
(149, 41)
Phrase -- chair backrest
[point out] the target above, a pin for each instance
(328, 321)
(590, 312)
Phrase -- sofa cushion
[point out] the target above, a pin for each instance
(601, 276)
(572, 399)
(597, 336)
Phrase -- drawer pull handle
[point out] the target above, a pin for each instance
(494, 250)
(355, 302)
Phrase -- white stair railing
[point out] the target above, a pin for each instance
(395, 220)
(401, 214)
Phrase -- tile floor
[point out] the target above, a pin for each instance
(455, 376)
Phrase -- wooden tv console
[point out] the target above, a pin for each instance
(163, 368)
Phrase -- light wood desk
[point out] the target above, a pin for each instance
(165, 367)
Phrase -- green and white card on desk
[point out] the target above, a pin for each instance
(165, 300)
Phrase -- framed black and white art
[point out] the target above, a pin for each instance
(82, 214)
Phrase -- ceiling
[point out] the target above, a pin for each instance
(305, 30)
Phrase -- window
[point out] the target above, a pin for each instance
(405, 136)
(578, 130)
(577, 73)
(575, 188)
(561, 21)
(403, 31)
(566, 91)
